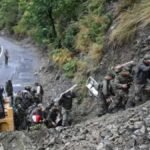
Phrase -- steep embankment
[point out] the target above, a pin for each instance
(124, 38)
(125, 130)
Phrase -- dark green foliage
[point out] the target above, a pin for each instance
(69, 37)
(98, 29)
(8, 13)
(70, 68)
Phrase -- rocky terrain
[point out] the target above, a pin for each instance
(124, 130)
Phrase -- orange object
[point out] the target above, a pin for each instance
(7, 123)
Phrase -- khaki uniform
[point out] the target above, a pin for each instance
(121, 94)
(105, 91)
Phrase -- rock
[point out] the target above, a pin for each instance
(138, 124)
(52, 141)
(1, 146)
(142, 130)
(147, 121)
(100, 146)
(144, 147)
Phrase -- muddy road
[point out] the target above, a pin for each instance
(22, 64)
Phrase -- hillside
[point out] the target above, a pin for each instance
(79, 38)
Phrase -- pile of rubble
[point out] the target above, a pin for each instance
(124, 130)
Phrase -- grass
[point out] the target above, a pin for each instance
(60, 56)
(130, 21)
(95, 52)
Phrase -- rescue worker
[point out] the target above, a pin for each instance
(6, 55)
(105, 93)
(53, 118)
(141, 77)
(66, 104)
(2, 112)
(9, 90)
(27, 99)
(39, 92)
(19, 112)
(122, 82)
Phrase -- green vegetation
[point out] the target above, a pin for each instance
(8, 14)
(69, 28)
(74, 30)
(70, 68)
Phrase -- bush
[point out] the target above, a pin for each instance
(69, 37)
(70, 68)
(60, 56)
(99, 27)
(8, 14)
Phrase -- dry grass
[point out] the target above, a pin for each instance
(82, 41)
(95, 52)
(124, 4)
(61, 57)
(130, 21)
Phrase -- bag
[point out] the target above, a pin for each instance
(36, 118)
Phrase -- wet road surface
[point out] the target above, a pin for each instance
(22, 64)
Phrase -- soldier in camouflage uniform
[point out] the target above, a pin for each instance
(121, 86)
(105, 93)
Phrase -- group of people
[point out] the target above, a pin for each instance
(24, 100)
(124, 86)
(9, 93)
(29, 110)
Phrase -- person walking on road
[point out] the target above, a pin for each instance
(6, 55)
(9, 90)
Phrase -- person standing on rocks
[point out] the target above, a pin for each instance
(105, 93)
(6, 55)
(66, 103)
(122, 82)
(141, 77)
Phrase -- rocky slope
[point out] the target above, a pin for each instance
(125, 130)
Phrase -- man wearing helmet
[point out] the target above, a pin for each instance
(122, 83)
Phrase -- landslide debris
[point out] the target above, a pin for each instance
(125, 130)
